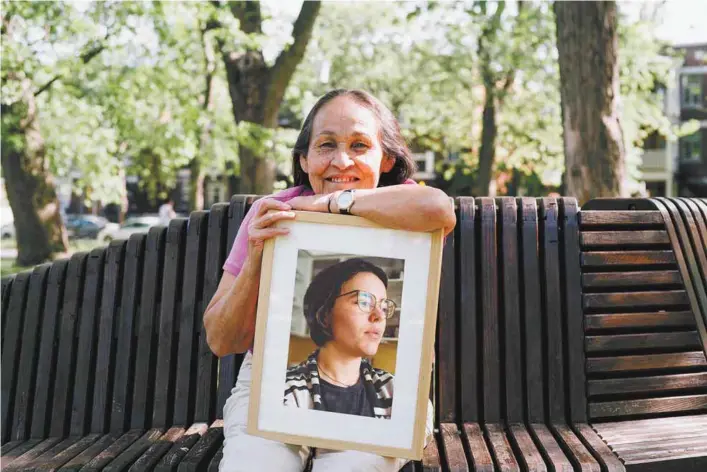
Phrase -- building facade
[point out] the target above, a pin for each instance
(679, 167)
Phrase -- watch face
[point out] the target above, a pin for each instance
(345, 199)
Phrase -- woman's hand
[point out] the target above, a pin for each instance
(260, 230)
(312, 203)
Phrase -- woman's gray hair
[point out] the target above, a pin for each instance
(392, 141)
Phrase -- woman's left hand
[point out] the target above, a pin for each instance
(311, 203)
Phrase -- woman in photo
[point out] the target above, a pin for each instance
(349, 158)
(346, 308)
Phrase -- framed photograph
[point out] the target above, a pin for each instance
(344, 336)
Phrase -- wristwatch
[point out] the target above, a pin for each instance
(345, 201)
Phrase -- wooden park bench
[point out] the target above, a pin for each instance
(567, 340)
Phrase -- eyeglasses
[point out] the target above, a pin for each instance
(367, 302)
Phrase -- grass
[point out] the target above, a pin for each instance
(8, 266)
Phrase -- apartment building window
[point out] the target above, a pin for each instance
(691, 146)
(691, 90)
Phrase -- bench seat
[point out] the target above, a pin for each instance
(672, 443)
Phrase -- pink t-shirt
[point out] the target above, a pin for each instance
(234, 261)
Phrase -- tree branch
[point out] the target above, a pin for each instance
(86, 57)
(286, 63)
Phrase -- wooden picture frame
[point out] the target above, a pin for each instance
(403, 433)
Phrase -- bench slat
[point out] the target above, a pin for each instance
(173, 458)
(509, 267)
(553, 336)
(572, 287)
(608, 459)
(123, 381)
(167, 339)
(113, 267)
(192, 286)
(207, 363)
(46, 360)
(650, 436)
(11, 349)
(29, 346)
(529, 457)
(480, 455)
(23, 461)
(469, 352)
(550, 449)
(6, 284)
(532, 312)
(646, 362)
(203, 451)
(80, 460)
(66, 354)
(579, 453)
(86, 356)
(665, 319)
(627, 258)
(660, 443)
(15, 449)
(625, 238)
(65, 451)
(149, 459)
(695, 257)
(134, 451)
(646, 406)
(446, 367)
(113, 450)
(624, 429)
(147, 328)
(491, 379)
(659, 383)
(431, 461)
(216, 461)
(628, 218)
(664, 298)
(501, 448)
(453, 449)
(631, 279)
(625, 342)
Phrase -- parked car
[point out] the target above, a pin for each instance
(8, 230)
(87, 226)
(132, 225)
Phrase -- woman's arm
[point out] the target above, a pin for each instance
(409, 207)
(229, 319)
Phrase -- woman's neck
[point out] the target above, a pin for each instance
(341, 367)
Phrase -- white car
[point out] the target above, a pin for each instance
(132, 225)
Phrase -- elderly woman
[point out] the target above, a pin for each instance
(349, 158)
(346, 308)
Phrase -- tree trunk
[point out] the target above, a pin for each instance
(256, 90)
(587, 43)
(30, 187)
(487, 152)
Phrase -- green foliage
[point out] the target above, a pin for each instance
(139, 106)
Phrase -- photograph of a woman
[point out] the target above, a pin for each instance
(346, 307)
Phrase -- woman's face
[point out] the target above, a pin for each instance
(354, 331)
(344, 149)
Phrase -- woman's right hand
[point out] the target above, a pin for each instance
(260, 229)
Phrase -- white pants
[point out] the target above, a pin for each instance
(243, 452)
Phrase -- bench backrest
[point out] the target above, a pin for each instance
(644, 280)
(509, 346)
(113, 340)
